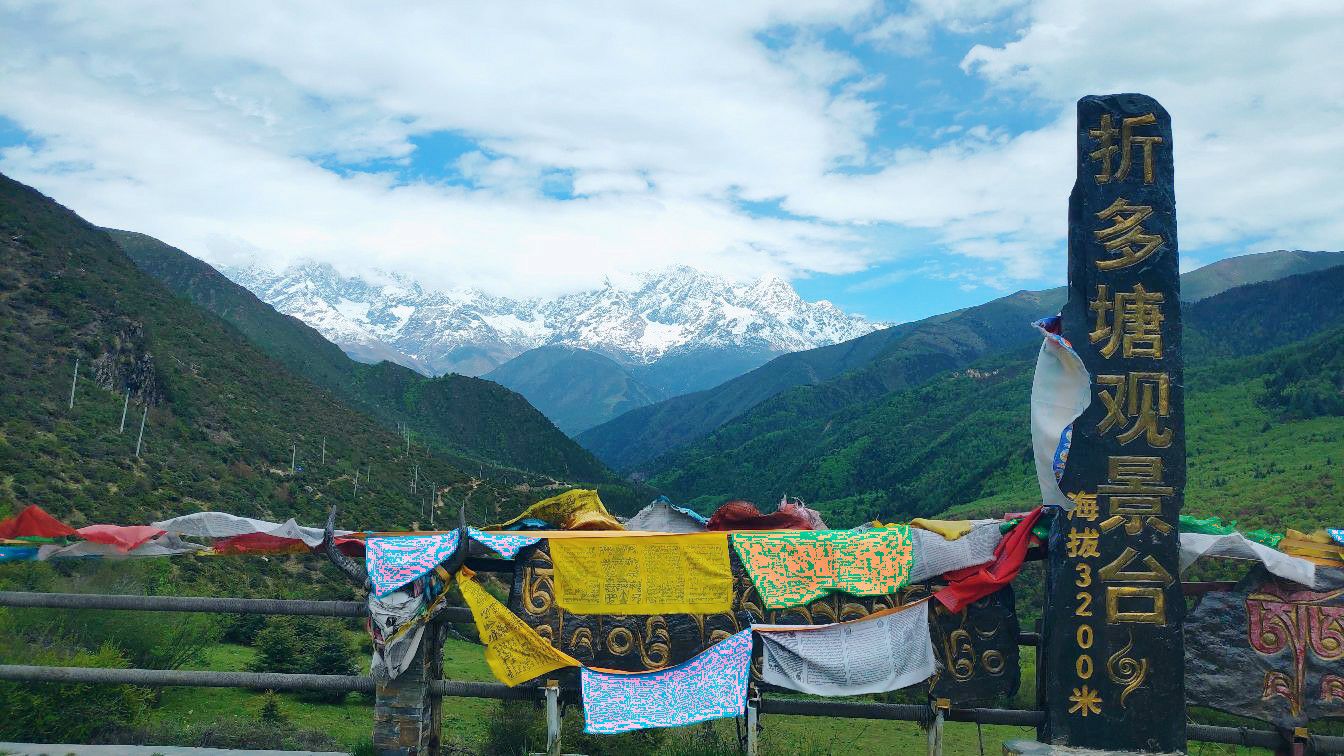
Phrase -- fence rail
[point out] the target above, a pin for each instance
(470, 689)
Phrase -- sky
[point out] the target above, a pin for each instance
(899, 159)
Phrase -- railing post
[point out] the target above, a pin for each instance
(940, 709)
(552, 691)
(407, 717)
(753, 719)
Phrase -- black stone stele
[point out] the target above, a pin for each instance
(1114, 674)
(1270, 649)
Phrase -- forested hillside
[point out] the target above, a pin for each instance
(470, 416)
(575, 388)
(964, 437)
(895, 358)
(223, 423)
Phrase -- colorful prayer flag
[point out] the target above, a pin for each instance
(713, 685)
(793, 567)
(394, 561)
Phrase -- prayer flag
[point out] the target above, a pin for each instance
(513, 649)
(793, 567)
(676, 574)
(885, 651)
(713, 685)
(394, 561)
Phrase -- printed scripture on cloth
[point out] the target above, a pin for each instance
(394, 561)
(679, 574)
(713, 685)
(793, 567)
(513, 649)
(883, 652)
(506, 545)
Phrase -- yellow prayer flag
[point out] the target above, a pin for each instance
(576, 509)
(949, 529)
(513, 649)
(673, 574)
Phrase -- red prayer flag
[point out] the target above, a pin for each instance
(971, 584)
(33, 521)
(123, 537)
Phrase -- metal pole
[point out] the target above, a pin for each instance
(552, 691)
(74, 380)
(141, 438)
(753, 716)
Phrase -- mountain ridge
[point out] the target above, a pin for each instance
(674, 312)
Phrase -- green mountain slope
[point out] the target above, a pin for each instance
(1218, 277)
(886, 360)
(223, 419)
(575, 388)
(964, 436)
(472, 417)
(868, 366)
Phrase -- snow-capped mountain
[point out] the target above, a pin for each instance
(677, 312)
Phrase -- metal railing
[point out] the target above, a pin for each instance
(778, 706)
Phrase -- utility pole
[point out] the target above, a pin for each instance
(142, 431)
(74, 380)
(124, 406)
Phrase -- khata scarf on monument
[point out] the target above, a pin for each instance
(713, 685)
(793, 567)
(1060, 391)
(885, 651)
(514, 651)
(677, 574)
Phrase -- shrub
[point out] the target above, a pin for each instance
(70, 713)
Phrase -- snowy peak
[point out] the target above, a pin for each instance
(673, 312)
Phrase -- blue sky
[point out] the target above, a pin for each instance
(899, 159)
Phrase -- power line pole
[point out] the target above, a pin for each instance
(142, 431)
(124, 406)
(74, 380)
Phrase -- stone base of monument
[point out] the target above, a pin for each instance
(1033, 748)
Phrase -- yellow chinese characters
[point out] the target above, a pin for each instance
(1130, 321)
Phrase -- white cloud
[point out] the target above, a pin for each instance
(210, 125)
